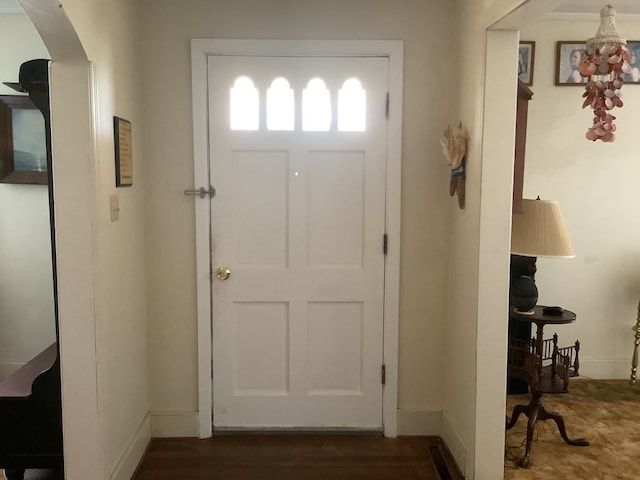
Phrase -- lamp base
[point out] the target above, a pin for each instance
(526, 312)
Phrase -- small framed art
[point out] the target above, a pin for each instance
(634, 53)
(124, 152)
(526, 57)
(569, 56)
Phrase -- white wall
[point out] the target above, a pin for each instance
(429, 105)
(596, 186)
(100, 262)
(475, 361)
(27, 321)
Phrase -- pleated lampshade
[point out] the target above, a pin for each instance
(539, 231)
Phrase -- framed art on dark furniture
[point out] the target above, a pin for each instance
(526, 57)
(23, 149)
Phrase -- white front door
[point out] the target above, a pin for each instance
(297, 155)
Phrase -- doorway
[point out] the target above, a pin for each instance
(297, 231)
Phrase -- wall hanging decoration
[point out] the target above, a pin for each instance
(123, 150)
(454, 147)
(23, 149)
(606, 62)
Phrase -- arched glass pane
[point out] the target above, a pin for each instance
(280, 105)
(352, 107)
(316, 107)
(244, 105)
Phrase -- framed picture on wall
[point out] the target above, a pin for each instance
(634, 53)
(569, 56)
(23, 144)
(124, 153)
(526, 56)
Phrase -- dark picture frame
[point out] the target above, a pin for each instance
(123, 151)
(526, 60)
(569, 55)
(23, 143)
(634, 53)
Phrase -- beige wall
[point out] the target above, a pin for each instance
(474, 388)
(167, 28)
(27, 323)
(453, 276)
(596, 186)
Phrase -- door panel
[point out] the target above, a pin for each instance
(299, 218)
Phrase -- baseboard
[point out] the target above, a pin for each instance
(126, 466)
(174, 424)
(419, 422)
(606, 369)
(453, 440)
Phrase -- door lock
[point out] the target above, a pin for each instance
(202, 192)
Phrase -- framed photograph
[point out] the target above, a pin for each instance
(634, 51)
(23, 143)
(526, 56)
(124, 155)
(569, 56)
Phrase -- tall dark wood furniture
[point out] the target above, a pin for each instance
(524, 95)
(30, 399)
(547, 369)
(519, 265)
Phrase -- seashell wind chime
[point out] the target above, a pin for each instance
(606, 63)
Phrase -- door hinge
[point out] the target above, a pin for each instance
(385, 243)
(383, 373)
(387, 107)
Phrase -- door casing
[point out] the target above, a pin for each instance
(393, 50)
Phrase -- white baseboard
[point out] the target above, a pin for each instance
(606, 369)
(130, 459)
(419, 421)
(452, 438)
(174, 424)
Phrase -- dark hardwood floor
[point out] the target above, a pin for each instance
(298, 457)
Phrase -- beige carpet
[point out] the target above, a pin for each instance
(37, 474)
(605, 412)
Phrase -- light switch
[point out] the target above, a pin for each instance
(114, 204)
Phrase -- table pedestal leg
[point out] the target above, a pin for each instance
(535, 411)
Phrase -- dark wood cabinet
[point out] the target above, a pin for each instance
(524, 95)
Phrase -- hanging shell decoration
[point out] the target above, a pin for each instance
(454, 147)
(606, 64)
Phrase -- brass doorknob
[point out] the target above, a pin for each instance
(223, 273)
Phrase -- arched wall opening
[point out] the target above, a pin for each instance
(73, 150)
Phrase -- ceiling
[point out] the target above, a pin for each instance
(566, 8)
(9, 6)
(581, 7)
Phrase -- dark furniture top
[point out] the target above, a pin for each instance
(19, 385)
(30, 399)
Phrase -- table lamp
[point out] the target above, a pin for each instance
(539, 231)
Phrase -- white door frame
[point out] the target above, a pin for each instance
(393, 50)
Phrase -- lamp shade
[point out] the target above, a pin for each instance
(539, 231)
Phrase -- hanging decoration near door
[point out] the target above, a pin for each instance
(607, 60)
(454, 147)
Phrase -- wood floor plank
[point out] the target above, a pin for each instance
(299, 457)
